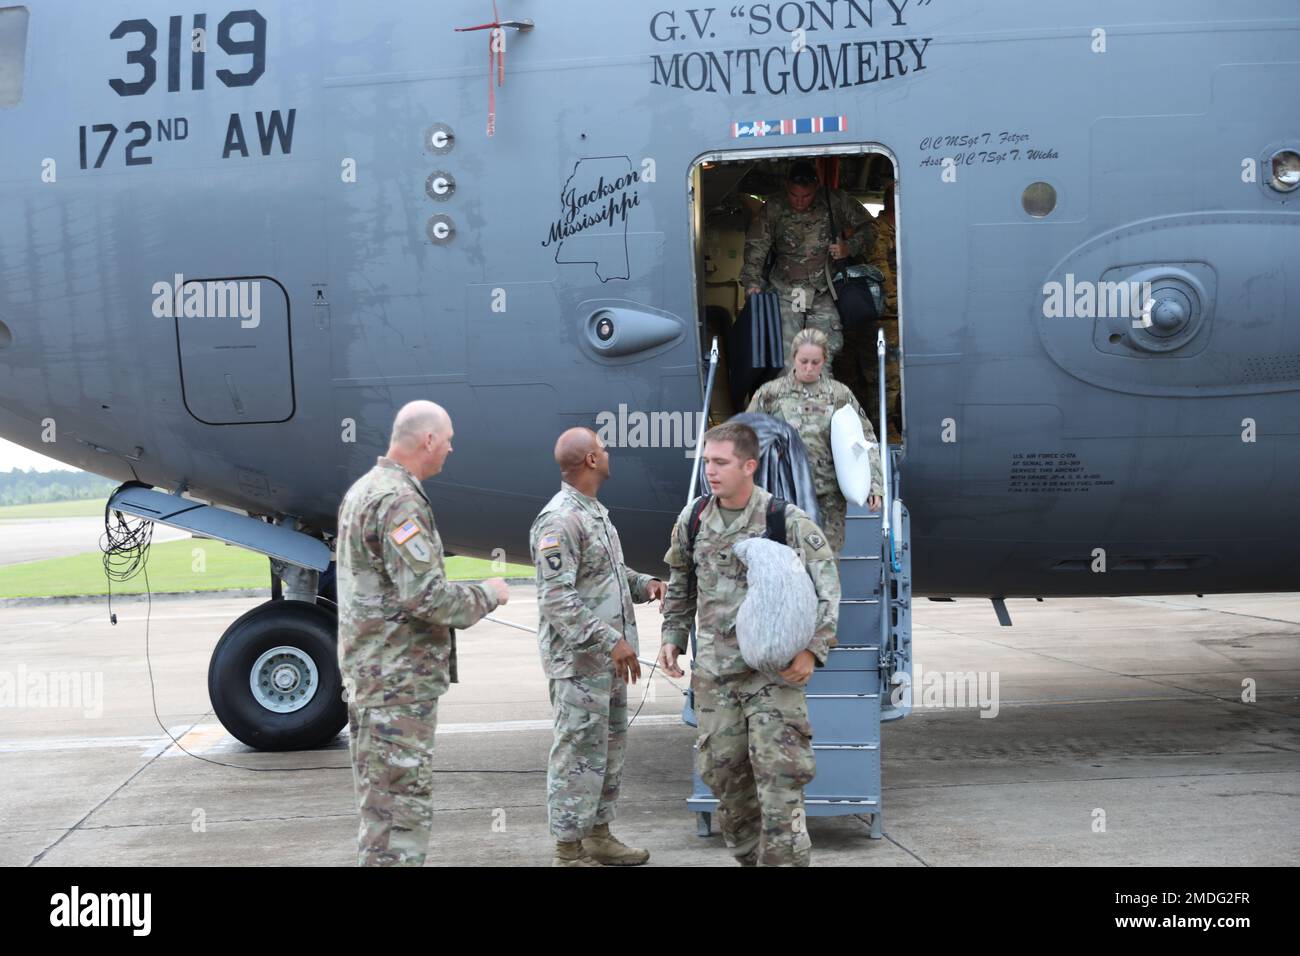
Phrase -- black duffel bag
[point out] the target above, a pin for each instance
(858, 290)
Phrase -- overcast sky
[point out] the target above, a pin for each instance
(16, 456)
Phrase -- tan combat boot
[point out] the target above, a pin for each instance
(609, 850)
(571, 853)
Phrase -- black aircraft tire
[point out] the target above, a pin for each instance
(311, 632)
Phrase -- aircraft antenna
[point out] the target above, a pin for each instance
(496, 57)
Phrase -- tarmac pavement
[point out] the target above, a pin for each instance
(1122, 711)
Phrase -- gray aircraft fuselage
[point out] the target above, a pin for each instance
(334, 157)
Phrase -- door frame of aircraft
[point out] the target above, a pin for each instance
(696, 210)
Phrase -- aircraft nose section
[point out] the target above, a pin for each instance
(615, 332)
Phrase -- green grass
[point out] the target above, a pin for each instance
(84, 508)
(476, 569)
(172, 568)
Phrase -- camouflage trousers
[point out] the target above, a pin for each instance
(755, 753)
(832, 512)
(819, 313)
(586, 765)
(392, 771)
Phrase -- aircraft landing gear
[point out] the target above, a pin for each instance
(274, 677)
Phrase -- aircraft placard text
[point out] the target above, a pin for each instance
(1053, 472)
(146, 55)
(241, 36)
(986, 148)
(792, 57)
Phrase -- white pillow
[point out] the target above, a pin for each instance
(851, 453)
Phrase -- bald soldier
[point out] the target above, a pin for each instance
(589, 650)
(397, 646)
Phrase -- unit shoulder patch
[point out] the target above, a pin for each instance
(550, 553)
(813, 539)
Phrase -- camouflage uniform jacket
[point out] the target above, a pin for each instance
(803, 239)
(884, 256)
(584, 591)
(722, 584)
(396, 606)
(809, 409)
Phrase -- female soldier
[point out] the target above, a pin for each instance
(806, 397)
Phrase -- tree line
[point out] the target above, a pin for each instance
(21, 487)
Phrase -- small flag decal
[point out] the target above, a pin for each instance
(789, 127)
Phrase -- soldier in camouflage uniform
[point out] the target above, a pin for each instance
(397, 649)
(806, 397)
(755, 744)
(797, 221)
(589, 652)
(884, 256)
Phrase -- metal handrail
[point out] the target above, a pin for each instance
(886, 537)
(689, 704)
(704, 418)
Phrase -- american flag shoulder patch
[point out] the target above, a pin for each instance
(548, 541)
(404, 532)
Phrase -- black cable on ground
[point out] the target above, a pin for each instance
(125, 547)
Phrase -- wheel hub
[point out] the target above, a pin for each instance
(284, 679)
